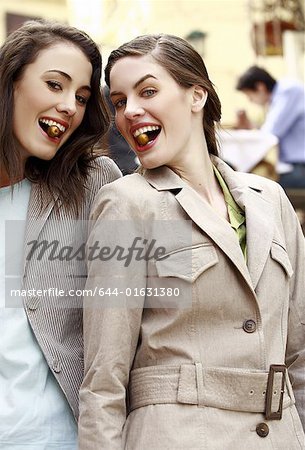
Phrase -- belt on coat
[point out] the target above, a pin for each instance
(224, 388)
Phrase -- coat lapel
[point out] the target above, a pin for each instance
(215, 227)
(260, 230)
(259, 217)
(248, 192)
(36, 218)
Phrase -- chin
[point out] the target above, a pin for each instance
(47, 156)
(150, 165)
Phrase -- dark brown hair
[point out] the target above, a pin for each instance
(254, 75)
(186, 67)
(65, 175)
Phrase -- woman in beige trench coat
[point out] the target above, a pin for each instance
(194, 323)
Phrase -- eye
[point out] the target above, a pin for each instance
(81, 99)
(119, 103)
(148, 92)
(55, 85)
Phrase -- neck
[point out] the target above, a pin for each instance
(197, 170)
(201, 178)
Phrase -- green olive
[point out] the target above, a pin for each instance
(53, 131)
(143, 139)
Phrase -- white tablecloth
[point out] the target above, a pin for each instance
(244, 149)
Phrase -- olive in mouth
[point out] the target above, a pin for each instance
(51, 130)
(146, 137)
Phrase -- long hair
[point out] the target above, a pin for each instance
(186, 67)
(64, 175)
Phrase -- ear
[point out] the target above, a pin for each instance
(199, 98)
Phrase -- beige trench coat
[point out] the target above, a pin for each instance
(194, 377)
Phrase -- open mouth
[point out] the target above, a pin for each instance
(52, 128)
(146, 135)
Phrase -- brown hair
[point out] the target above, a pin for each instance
(186, 67)
(65, 175)
(254, 75)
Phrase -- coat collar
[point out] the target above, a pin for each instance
(248, 192)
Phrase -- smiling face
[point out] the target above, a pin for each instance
(153, 113)
(50, 99)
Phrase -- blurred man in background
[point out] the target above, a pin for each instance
(285, 118)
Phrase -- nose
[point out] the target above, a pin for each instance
(133, 110)
(67, 106)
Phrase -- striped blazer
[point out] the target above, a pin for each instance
(54, 277)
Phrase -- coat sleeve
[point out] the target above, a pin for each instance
(112, 319)
(295, 350)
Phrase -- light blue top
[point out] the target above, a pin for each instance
(34, 414)
(286, 120)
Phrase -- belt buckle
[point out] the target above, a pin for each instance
(275, 415)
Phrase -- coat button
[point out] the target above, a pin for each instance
(262, 429)
(56, 365)
(33, 303)
(249, 326)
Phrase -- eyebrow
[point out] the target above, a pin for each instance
(148, 75)
(67, 76)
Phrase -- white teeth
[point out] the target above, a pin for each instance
(145, 129)
(52, 122)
